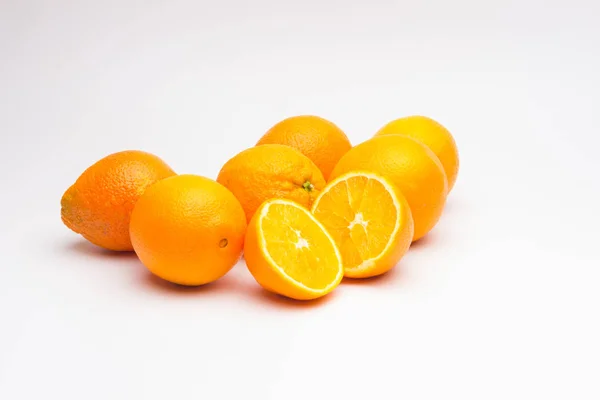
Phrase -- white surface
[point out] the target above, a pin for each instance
(500, 301)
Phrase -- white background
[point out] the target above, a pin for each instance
(500, 301)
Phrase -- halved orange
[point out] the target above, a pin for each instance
(369, 220)
(290, 253)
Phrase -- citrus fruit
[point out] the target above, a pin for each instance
(434, 135)
(369, 220)
(271, 171)
(98, 205)
(290, 253)
(315, 137)
(408, 164)
(188, 230)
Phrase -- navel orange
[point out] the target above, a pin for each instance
(434, 135)
(315, 137)
(290, 253)
(98, 205)
(408, 164)
(271, 171)
(369, 220)
(188, 230)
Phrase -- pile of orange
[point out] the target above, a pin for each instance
(304, 206)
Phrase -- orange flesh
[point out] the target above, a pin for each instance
(299, 246)
(360, 215)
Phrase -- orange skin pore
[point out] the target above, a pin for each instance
(271, 171)
(188, 230)
(99, 204)
(433, 135)
(315, 137)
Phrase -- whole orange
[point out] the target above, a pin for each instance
(315, 137)
(271, 171)
(434, 135)
(408, 164)
(98, 205)
(188, 230)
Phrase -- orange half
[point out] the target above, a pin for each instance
(370, 221)
(290, 253)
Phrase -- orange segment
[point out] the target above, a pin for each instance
(369, 220)
(290, 253)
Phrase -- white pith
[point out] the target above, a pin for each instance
(358, 220)
(302, 243)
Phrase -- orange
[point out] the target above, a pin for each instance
(98, 205)
(408, 164)
(369, 220)
(188, 230)
(290, 253)
(271, 171)
(434, 135)
(315, 137)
